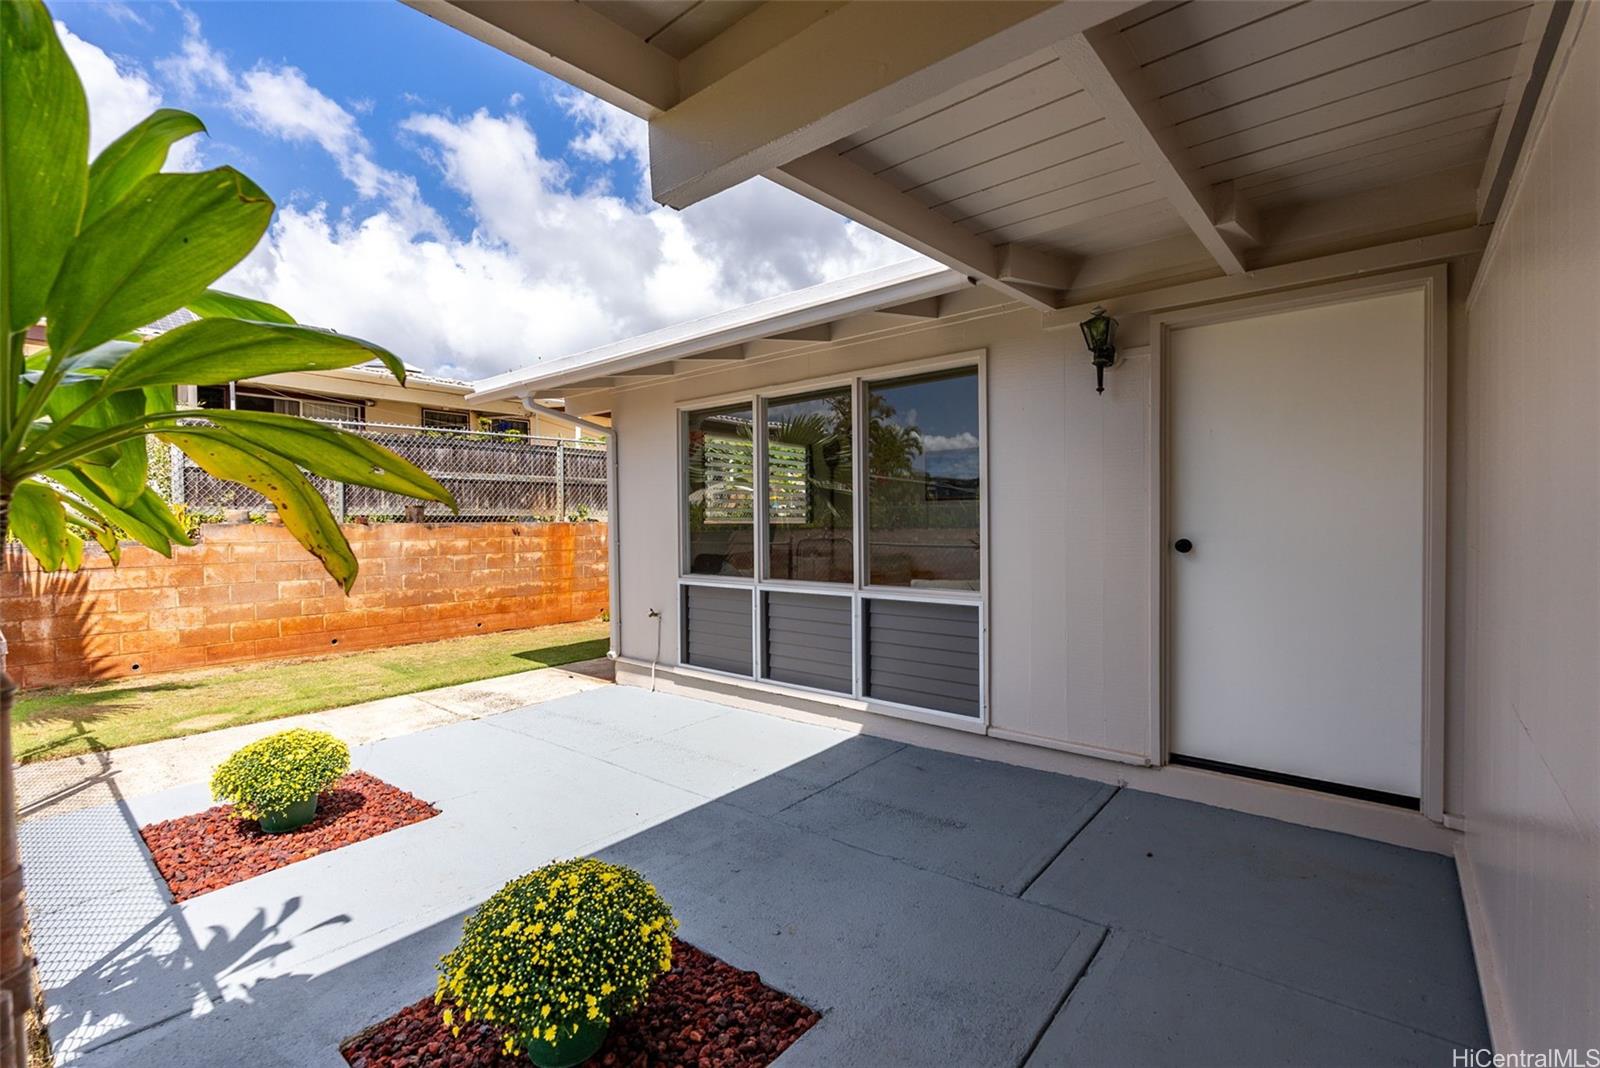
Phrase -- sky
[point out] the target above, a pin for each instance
(435, 195)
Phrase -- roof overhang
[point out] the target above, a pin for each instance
(1062, 152)
(799, 318)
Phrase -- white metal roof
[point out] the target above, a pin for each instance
(885, 287)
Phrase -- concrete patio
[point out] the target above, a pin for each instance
(935, 908)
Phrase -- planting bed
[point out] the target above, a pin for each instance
(209, 850)
(702, 1014)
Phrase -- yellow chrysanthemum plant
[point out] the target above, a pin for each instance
(276, 780)
(555, 956)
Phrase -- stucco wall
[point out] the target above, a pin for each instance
(250, 592)
(1532, 590)
(1068, 496)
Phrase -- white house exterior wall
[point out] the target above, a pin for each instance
(1068, 497)
(1532, 533)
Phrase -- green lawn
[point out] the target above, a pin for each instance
(105, 715)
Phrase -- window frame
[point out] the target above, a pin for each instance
(858, 591)
(422, 418)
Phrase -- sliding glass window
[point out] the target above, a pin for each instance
(923, 472)
(721, 492)
(810, 492)
(833, 537)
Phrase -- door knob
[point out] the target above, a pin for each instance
(1183, 545)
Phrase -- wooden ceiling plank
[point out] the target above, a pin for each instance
(1030, 159)
(1041, 85)
(1462, 78)
(1028, 229)
(1378, 36)
(1186, 26)
(856, 66)
(1420, 116)
(939, 101)
(1014, 132)
(1118, 157)
(1401, 70)
(1260, 41)
(1478, 123)
(1067, 196)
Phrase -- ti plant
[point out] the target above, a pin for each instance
(97, 250)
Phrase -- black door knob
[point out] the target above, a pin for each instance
(1183, 545)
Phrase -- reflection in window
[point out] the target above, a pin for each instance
(721, 492)
(809, 492)
(923, 481)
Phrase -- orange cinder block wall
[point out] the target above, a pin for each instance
(249, 592)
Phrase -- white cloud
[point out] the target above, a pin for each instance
(949, 443)
(555, 262)
(608, 132)
(120, 95)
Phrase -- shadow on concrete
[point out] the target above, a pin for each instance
(927, 904)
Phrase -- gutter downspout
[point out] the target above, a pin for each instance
(613, 511)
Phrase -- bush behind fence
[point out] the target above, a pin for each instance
(495, 477)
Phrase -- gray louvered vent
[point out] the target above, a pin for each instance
(717, 628)
(808, 640)
(924, 655)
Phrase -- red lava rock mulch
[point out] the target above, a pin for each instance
(209, 850)
(702, 1014)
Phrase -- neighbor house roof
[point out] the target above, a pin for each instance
(792, 316)
(414, 374)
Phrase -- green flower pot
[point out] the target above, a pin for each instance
(569, 1049)
(292, 818)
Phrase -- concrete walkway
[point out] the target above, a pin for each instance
(53, 787)
(936, 909)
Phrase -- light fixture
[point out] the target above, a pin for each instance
(1100, 334)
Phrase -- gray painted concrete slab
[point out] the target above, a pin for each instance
(1354, 921)
(991, 824)
(855, 873)
(1145, 1003)
(907, 966)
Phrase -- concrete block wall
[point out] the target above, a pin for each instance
(249, 592)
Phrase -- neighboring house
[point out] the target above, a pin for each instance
(1325, 548)
(367, 394)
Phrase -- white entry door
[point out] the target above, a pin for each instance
(1295, 496)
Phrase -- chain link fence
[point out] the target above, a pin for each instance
(495, 478)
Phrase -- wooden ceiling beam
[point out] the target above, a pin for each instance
(856, 193)
(1108, 71)
(1546, 23)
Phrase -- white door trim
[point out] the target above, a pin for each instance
(1431, 282)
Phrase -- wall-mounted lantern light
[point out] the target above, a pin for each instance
(1100, 334)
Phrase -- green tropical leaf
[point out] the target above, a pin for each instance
(303, 511)
(147, 520)
(217, 351)
(135, 155)
(120, 471)
(44, 148)
(331, 453)
(93, 525)
(100, 358)
(215, 304)
(152, 253)
(40, 523)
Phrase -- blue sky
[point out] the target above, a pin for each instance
(436, 195)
